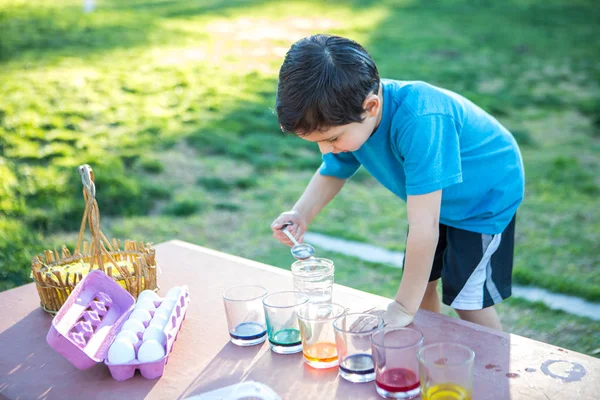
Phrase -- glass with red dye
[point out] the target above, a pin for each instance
(395, 358)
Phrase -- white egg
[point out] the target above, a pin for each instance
(150, 350)
(121, 352)
(174, 293)
(168, 304)
(164, 312)
(150, 294)
(130, 336)
(141, 315)
(159, 321)
(133, 325)
(154, 333)
(145, 304)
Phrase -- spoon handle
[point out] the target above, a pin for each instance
(289, 235)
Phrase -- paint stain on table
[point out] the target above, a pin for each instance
(512, 375)
(566, 371)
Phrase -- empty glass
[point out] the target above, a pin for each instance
(446, 371)
(314, 277)
(353, 340)
(395, 359)
(245, 314)
(318, 336)
(282, 321)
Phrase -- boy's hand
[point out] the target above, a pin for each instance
(397, 316)
(297, 228)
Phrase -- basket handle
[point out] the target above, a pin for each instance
(87, 178)
(92, 215)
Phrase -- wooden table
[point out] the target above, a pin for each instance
(506, 366)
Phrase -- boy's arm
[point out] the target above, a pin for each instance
(423, 233)
(318, 193)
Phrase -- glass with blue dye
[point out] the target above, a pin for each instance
(353, 339)
(245, 314)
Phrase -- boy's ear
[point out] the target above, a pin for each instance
(371, 105)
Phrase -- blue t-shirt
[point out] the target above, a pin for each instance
(431, 139)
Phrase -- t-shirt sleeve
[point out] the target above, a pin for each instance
(341, 165)
(430, 148)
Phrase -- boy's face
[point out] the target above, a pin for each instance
(345, 138)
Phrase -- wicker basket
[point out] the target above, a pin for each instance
(56, 275)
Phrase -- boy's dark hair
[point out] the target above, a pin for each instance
(322, 83)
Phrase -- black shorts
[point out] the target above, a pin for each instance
(476, 269)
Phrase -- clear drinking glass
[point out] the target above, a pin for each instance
(446, 371)
(353, 340)
(395, 359)
(318, 336)
(282, 321)
(245, 314)
(314, 277)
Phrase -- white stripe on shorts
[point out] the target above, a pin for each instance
(471, 295)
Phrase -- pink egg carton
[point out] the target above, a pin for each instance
(88, 322)
(85, 325)
(154, 369)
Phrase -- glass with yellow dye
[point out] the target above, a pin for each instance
(318, 335)
(446, 371)
(446, 391)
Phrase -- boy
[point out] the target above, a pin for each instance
(459, 171)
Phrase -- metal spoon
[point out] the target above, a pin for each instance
(299, 251)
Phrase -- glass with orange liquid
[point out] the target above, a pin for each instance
(395, 358)
(318, 336)
(446, 371)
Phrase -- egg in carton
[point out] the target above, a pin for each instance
(146, 338)
(99, 313)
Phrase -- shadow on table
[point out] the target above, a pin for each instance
(229, 366)
(30, 368)
(285, 374)
(22, 354)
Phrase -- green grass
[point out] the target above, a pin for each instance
(171, 103)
